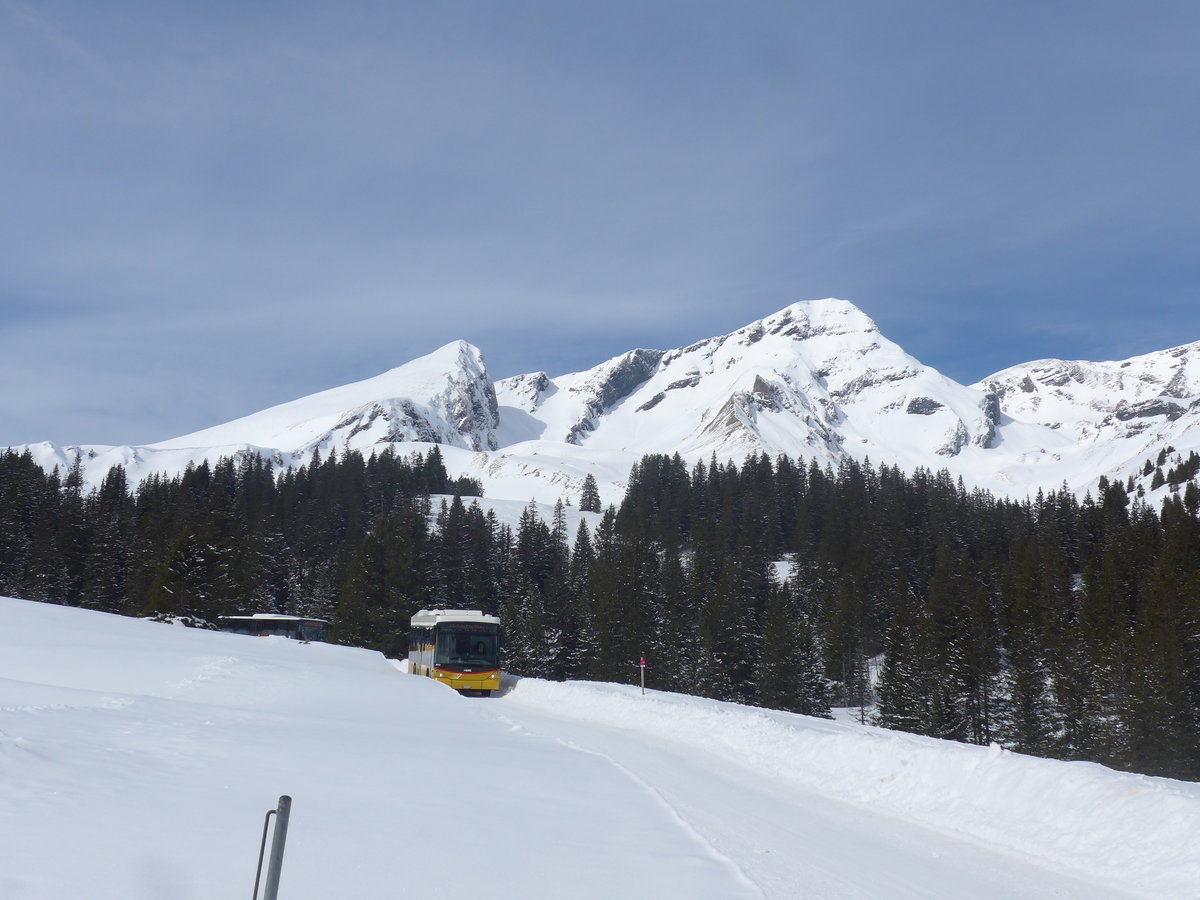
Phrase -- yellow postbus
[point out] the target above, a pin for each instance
(458, 647)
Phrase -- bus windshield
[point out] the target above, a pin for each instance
(467, 645)
(313, 630)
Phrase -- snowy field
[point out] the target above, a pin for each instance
(137, 761)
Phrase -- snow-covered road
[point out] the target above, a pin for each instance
(785, 839)
(137, 760)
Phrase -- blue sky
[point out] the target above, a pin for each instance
(213, 207)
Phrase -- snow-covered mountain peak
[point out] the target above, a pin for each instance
(444, 397)
(842, 323)
(809, 318)
(815, 380)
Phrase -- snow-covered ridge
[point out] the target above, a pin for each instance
(443, 398)
(1092, 400)
(816, 380)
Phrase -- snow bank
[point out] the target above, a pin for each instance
(1133, 830)
(137, 761)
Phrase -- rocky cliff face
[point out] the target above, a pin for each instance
(444, 398)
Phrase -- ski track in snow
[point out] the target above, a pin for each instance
(655, 795)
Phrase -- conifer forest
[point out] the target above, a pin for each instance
(1054, 626)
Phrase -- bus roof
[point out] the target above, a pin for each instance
(275, 617)
(430, 617)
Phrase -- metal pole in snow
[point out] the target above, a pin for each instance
(642, 666)
(284, 811)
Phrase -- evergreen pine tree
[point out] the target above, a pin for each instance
(589, 495)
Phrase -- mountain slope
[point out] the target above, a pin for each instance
(816, 380)
(443, 398)
(1112, 415)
